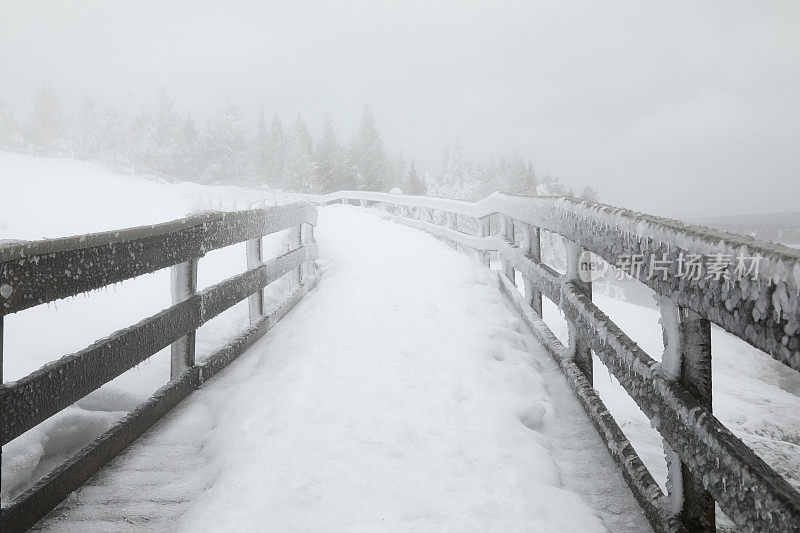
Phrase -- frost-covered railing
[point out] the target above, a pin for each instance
(34, 273)
(706, 462)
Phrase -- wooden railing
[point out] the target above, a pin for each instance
(706, 462)
(34, 273)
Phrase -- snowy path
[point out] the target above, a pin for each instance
(403, 393)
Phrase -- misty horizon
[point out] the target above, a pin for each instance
(695, 102)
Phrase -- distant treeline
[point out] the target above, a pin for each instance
(155, 139)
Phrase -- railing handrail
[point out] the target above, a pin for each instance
(676, 394)
(34, 273)
(46, 270)
(600, 229)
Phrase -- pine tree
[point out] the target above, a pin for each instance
(301, 169)
(514, 176)
(395, 172)
(224, 147)
(328, 157)
(46, 124)
(413, 184)
(457, 171)
(90, 131)
(589, 194)
(275, 154)
(258, 153)
(163, 137)
(188, 164)
(9, 130)
(530, 180)
(368, 156)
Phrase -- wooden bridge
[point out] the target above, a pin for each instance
(708, 465)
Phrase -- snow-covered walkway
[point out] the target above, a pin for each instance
(403, 393)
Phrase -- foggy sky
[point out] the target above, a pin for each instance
(675, 108)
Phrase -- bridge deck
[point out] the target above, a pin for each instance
(403, 393)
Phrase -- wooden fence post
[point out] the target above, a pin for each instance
(531, 247)
(483, 231)
(308, 268)
(255, 302)
(687, 361)
(1, 383)
(507, 231)
(581, 352)
(295, 241)
(183, 283)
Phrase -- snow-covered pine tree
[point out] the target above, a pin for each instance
(413, 185)
(164, 142)
(457, 175)
(46, 128)
(10, 136)
(513, 176)
(89, 133)
(530, 180)
(589, 194)
(135, 138)
(395, 172)
(328, 156)
(189, 167)
(257, 153)
(224, 146)
(301, 169)
(367, 155)
(275, 154)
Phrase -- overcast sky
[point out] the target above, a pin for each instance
(676, 108)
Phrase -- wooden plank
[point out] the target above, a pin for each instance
(35, 503)
(223, 295)
(240, 226)
(579, 347)
(183, 285)
(43, 393)
(44, 271)
(40, 499)
(687, 361)
(748, 490)
(255, 302)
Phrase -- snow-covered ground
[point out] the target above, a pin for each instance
(489, 406)
(48, 198)
(403, 393)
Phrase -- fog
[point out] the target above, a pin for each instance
(682, 109)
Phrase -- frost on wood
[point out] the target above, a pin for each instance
(43, 271)
(644, 487)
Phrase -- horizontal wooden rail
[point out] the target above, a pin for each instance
(43, 271)
(57, 385)
(38, 272)
(37, 501)
(761, 309)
